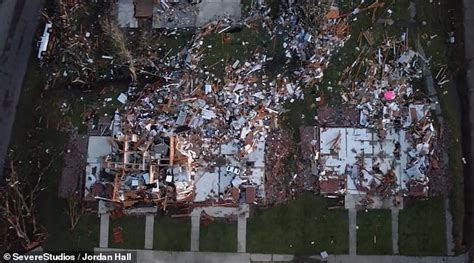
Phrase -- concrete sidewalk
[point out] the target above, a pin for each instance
(104, 230)
(241, 233)
(149, 231)
(395, 213)
(149, 256)
(352, 231)
(195, 226)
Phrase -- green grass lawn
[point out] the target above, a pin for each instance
(85, 237)
(433, 29)
(36, 131)
(38, 138)
(243, 45)
(433, 35)
(303, 226)
(170, 44)
(422, 228)
(374, 236)
(218, 236)
(86, 233)
(173, 234)
(34, 143)
(455, 154)
(133, 229)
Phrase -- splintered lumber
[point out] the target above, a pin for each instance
(336, 141)
(171, 150)
(117, 180)
(375, 5)
(165, 203)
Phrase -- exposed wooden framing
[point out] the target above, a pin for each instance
(171, 150)
(375, 5)
(117, 180)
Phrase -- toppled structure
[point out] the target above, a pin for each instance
(192, 138)
(312, 45)
(390, 151)
(311, 34)
(196, 133)
(367, 163)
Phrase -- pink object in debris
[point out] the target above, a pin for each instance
(389, 95)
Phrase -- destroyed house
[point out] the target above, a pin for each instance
(151, 170)
(369, 161)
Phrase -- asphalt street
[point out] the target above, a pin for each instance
(18, 22)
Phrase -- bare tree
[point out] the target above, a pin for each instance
(112, 30)
(75, 211)
(17, 207)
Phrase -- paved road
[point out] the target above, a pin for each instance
(18, 22)
(152, 256)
